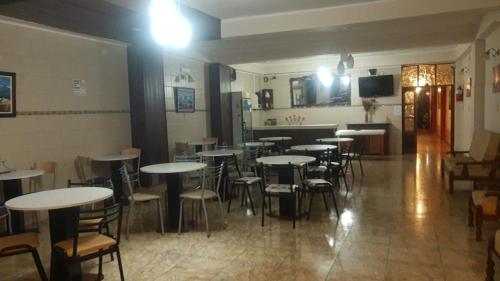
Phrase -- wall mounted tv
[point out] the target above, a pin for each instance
(376, 86)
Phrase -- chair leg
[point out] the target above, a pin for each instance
(311, 193)
(109, 233)
(180, 216)
(263, 209)
(160, 215)
(130, 214)
(231, 192)
(120, 267)
(324, 201)
(352, 169)
(335, 203)
(243, 196)
(451, 180)
(223, 220)
(471, 212)
(294, 213)
(361, 166)
(206, 216)
(39, 266)
(479, 223)
(250, 198)
(99, 271)
(490, 265)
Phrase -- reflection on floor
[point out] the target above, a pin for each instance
(399, 224)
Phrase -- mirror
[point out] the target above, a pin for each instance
(309, 91)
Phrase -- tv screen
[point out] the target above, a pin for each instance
(376, 86)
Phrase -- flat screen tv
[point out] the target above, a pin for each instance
(376, 86)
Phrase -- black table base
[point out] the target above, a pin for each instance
(116, 178)
(172, 201)
(11, 189)
(63, 225)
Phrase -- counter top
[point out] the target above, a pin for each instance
(360, 132)
(297, 127)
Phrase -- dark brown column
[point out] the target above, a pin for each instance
(147, 103)
(220, 102)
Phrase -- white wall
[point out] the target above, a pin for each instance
(50, 124)
(184, 127)
(385, 62)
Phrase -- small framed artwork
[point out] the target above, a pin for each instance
(184, 99)
(468, 87)
(7, 94)
(496, 79)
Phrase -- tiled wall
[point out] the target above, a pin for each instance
(53, 123)
(184, 127)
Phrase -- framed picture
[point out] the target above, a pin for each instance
(7, 94)
(184, 99)
(496, 79)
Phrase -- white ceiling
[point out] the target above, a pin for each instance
(225, 9)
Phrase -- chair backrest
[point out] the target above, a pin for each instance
(100, 219)
(5, 215)
(212, 178)
(286, 173)
(48, 167)
(233, 165)
(181, 147)
(223, 146)
(215, 140)
(126, 180)
(83, 169)
(132, 151)
(484, 145)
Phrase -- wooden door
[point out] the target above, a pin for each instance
(409, 120)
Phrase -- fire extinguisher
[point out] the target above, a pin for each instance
(459, 95)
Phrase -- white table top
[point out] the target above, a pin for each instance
(295, 127)
(256, 144)
(220, 152)
(172, 168)
(112, 157)
(335, 140)
(285, 159)
(202, 142)
(314, 147)
(58, 198)
(275, 138)
(21, 174)
(360, 132)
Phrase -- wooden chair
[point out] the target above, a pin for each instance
(484, 205)
(456, 165)
(139, 197)
(181, 147)
(214, 140)
(21, 244)
(96, 245)
(211, 182)
(49, 168)
(134, 172)
(493, 253)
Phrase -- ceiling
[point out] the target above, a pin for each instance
(225, 9)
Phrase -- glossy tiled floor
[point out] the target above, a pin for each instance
(398, 224)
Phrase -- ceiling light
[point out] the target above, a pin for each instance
(325, 76)
(341, 67)
(168, 26)
(346, 80)
(418, 89)
(343, 55)
(350, 61)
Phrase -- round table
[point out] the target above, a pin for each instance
(335, 140)
(220, 152)
(314, 147)
(173, 172)
(254, 144)
(13, 187)
(116, 161)
(64, 207)
(275, 138)
(286, 204)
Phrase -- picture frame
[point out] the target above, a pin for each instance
(496, 79)
(184, 99)
(7, 94)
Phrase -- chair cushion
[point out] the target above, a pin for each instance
(316, 182)
(28, 239)
(87, 244)
(235, 175)
(248, 180)
(489, 204)
(197, 194)
(280, 188)
(144, 197)
(317, 169)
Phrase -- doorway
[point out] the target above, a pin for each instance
(427, 102)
